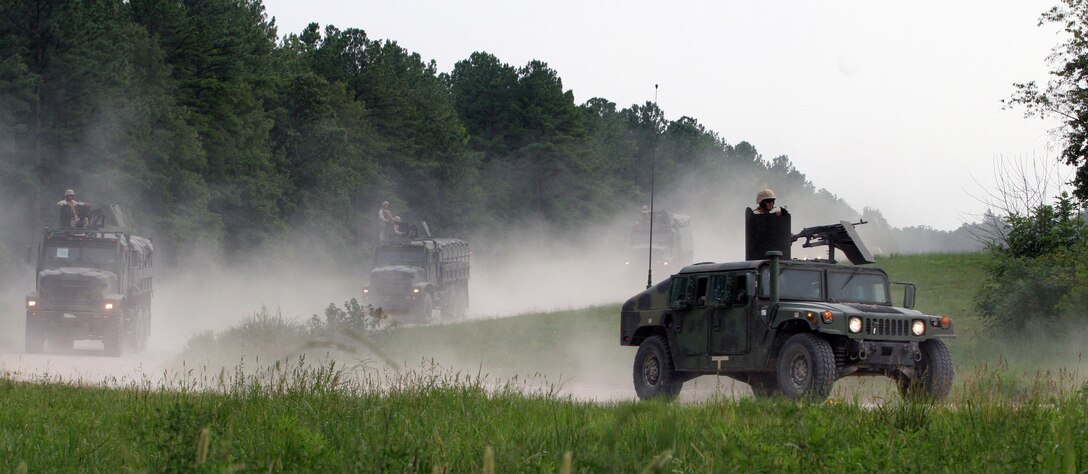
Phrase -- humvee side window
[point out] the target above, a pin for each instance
(738, 288)
(700, 291)
(682, 292)
(718, 290)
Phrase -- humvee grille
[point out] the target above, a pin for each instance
(886, 327)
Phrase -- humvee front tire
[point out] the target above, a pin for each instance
(933, 373)
(654, 374)
(806, 367)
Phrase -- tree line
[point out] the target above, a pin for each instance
(208, 125)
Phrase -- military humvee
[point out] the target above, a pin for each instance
(93, 282)
(786, 327)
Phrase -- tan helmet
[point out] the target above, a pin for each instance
(69, 192)
(764, 195)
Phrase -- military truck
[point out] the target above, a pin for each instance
(413, 277)
(92, 282)
(786, 327)
(672, 243)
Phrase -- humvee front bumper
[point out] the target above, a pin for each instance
(881, 355)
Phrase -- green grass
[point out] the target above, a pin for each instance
(440, 398)
(310, 419)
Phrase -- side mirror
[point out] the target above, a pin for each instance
(908, 294)
(29, 255)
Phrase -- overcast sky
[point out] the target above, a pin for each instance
(893, 105)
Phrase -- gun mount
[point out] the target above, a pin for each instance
(840, 236)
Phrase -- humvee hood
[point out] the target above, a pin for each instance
(74, 272)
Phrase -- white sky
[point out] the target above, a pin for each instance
(893, 105)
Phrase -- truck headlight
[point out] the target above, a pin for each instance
(109, 306)
(855, 324)
(31, 303)
(918, 327)
(415, 290)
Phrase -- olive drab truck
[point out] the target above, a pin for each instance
(786, 327)
(93, 281)
(413, 277)
(672, 243)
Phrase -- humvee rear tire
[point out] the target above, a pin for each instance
(934, 373)
(35, 339)
(806, 367)
(655, 377)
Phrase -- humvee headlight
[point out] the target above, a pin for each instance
(945, 322)
(31, 303)
(918, 327)
(366, 290)
(415, 290)
(827, 317)
(109, 306)
(855, 324)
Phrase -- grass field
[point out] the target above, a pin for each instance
(491, 395)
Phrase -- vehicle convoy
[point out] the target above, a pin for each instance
(413, 277)
(92, 282)
(672, 243)
(786, 327)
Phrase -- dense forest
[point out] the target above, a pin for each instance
(209, 125)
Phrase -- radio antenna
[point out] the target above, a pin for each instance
(653, 169)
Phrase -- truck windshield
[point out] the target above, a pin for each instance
(97, 256)
(795, 284)
(857, 287)
(412, 256)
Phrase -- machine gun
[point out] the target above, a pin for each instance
(841, 236)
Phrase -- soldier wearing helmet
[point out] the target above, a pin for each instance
(72, 211)
(765, 203)
(385, 221)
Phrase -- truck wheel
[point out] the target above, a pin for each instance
(424, 309)
(933, 373)
(114, 340)
(35, 339)
(654, 374)
(806, 367)
(764, 385)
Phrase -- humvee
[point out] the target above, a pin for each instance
(786, 327)
(92, 282)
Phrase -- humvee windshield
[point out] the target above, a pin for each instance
(843, 286)
(61, 254)
(410, 255)
(857, 287)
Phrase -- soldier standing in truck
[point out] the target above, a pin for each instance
(385, 221)
(70, 202)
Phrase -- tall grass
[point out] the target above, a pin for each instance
(301, 417)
